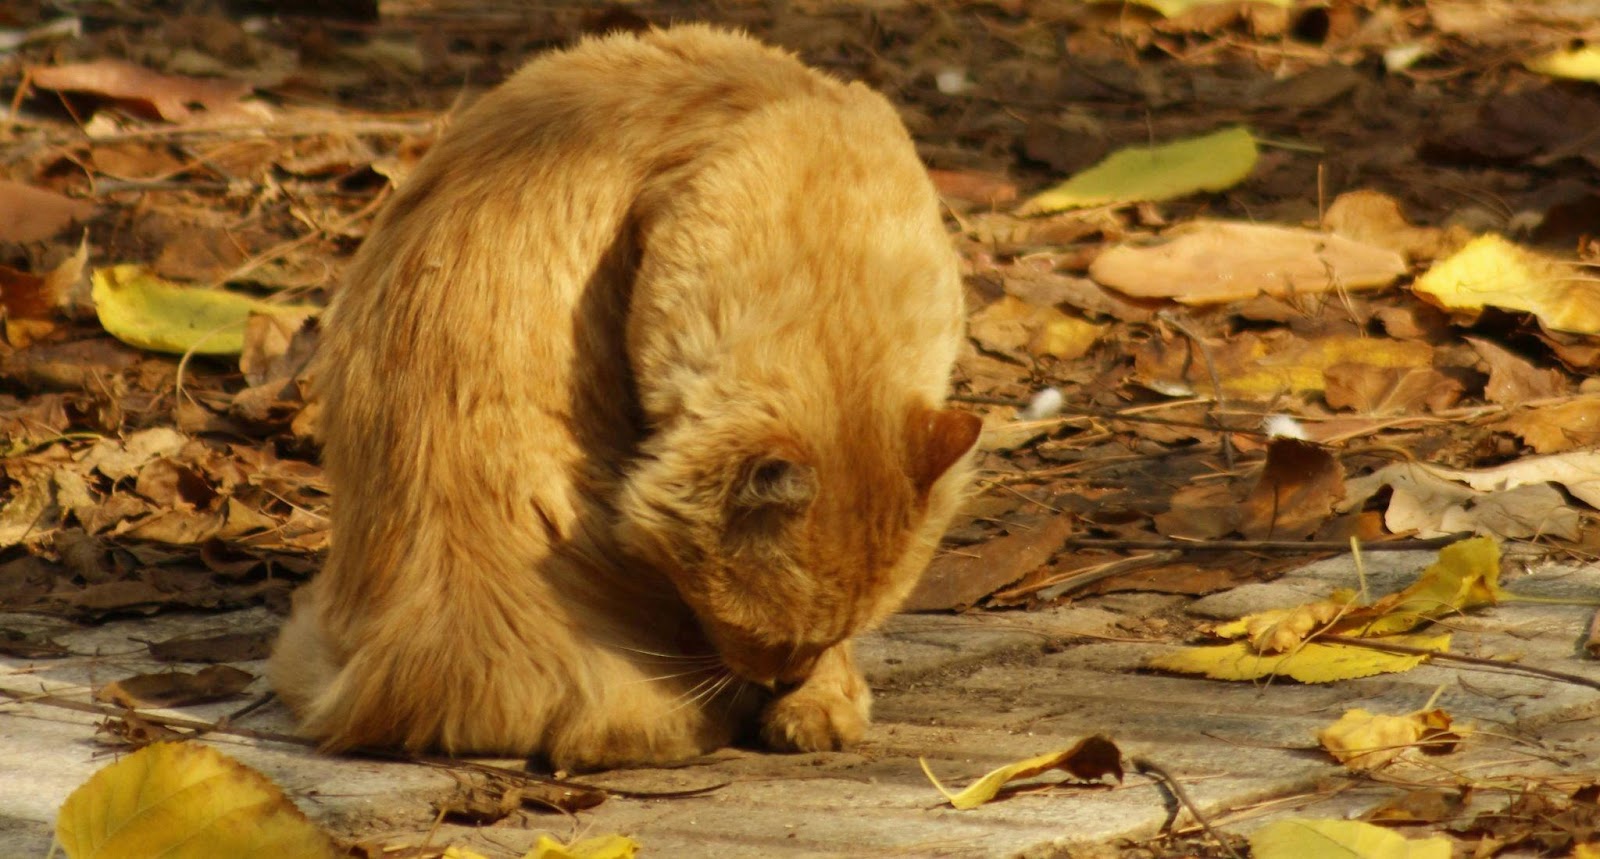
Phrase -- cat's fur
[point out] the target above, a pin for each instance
(636, 381)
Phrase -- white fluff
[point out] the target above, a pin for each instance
(1045, 404)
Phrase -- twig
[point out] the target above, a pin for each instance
(1071, 413)
(1149, 768)
(1500, 664)
(1261, 545)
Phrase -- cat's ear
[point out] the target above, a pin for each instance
(773, 482)
(946, 436)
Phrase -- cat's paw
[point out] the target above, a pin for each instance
(814, 720)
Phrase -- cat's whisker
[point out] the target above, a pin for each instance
(674, 657)
(691, 672)
(704, 690)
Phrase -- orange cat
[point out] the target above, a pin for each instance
(631, 406)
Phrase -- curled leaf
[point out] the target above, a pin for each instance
(1090, 759)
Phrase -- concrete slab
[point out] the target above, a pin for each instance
(968, 693)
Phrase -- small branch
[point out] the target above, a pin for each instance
(1147, 767)
(1499, 664)
(1260, 545)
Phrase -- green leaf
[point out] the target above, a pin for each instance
(146, 312)
(1213, 162)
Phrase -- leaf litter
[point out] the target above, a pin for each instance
(1329, 285)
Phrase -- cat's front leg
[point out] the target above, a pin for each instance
(826, 712)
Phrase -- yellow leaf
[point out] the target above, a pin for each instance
(462, 853)
(1586, 851)
(147, 312)
(1466, 576)
(1174, 8)
(1365, 741)
(1301, 838)
(598, 847)
(1066, 337)
(1309, 663)
(1091, 758)
(1492, 272)
(1578, 63)
(177, 800)
(1212, 162)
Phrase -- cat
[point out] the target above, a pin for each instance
(632, 409)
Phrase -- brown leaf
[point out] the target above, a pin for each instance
(168, 96)
(959, 578)
(1557, 428)
(980, 189)
(176, 688)
(1200, 511)
(1514, 379)
(1375, 218)
(131, 729)
(226, 647)
(1296, 492)
(1377, 390)
(29, 214)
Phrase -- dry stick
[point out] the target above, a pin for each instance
(1216, 382)
(1149, 768)
(1500, 664)
(1080, 412)
(434, 761)
(1260, 545)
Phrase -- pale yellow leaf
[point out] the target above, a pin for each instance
(1582, 63)
(1313, 662)
(1492, 272)
(1365, 741)
(462, 853)
(598, 847)
(1466, 576)
(182, 800)
(147, 312)
(1212, 162)
(1213, 262)
(1173, 8)
(1586, 851)
(1302, 838)
(1090, 758)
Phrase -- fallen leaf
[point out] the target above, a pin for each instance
(596, 847)
(1433, 805)
(1374, 218)
(168, 96)
(1016, 329)
(1174, 8)
(176, 688)
(1362, 740)
(1312, 662)
(959, 578)
(1269, 366)
(982, 189)
(1213, 162)
(29, 214)
(144, 311)
(1580, 63)
(185, 801)
(1091, 759)
(225, 647)
(1296, 492)
(1493, 272)
(1375, 390)
(1513, 379)
(1214, 262)
(1303, 838)
(1200, 511)
(1511, 503)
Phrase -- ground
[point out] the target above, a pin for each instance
(162, 485)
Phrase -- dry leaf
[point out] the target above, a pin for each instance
(1513, 501)
(1374, 218)
(1014, 328)
(1309, 663)
(185, 801)
(1557, 428)
(176, 688)
(981, 189)
(29, 214)
(1374, 390)
(1301, 838)
(1296, 492)
(1492, 272)
(226, 647)
(596, 847)
(1513, 379)
(1090, 759)
(169, 96)
(959, 578)
(1367, 741)
(1213, 162)
(1214, 262)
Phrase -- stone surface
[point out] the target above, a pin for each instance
(968, 693)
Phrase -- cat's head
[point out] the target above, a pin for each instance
(785, 541)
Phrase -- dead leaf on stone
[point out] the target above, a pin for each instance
(960, 578)
(1214, 262)
(168, 96)
(1557, 428)
(30, 645)
(134, 731)
(1091, 760)
(176, 688)
(1374, 218)
(29, 214)
(224, 647)
(1365, 741)
(1429, 805)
